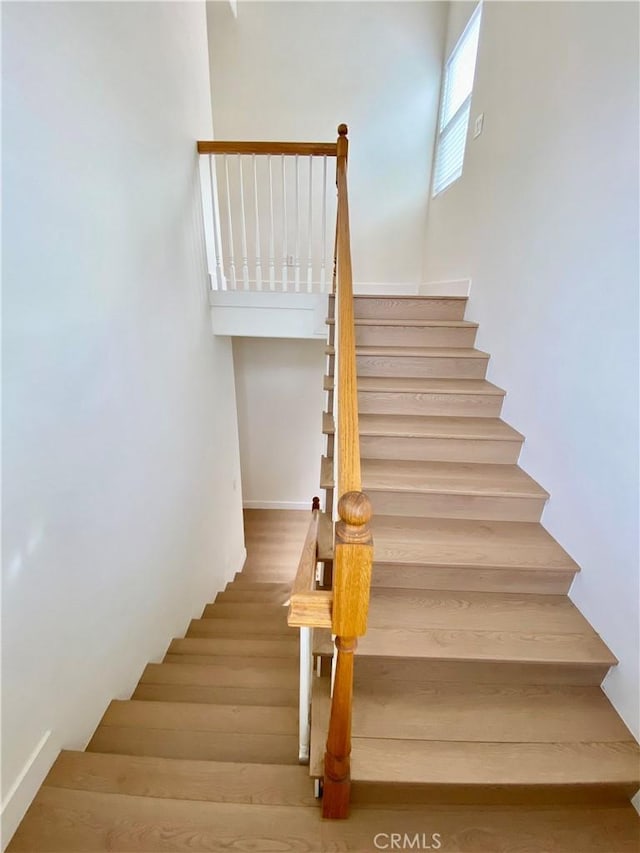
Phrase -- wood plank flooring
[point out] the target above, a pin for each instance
(477, 677)
(479, 722)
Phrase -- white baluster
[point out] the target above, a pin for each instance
(257, 213)
(284, 227)
(272, 241)
(232, 261)
(296, 258)
(221, 282)
(245, 259)
(310, 230)
(323, 256)
(304, 707)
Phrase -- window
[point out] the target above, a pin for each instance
(456, 105)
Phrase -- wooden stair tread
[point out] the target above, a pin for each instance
(239, 596)
(322, 643)
(422, 385)
(326, 473)
(411, 323)
(423, 609)
(423, 352)
(223, 646)
(249, 673)
(232, 660)
(73, 821)
(257, 586)
(219, 695)
(198, 717)
(240, 627)
(500, 647)
(467, 542)
(400, 297)
(325, 537)
(328, 424)
(450, 762)
(465, 478)
(265, 611)
(171, 778)
(417, 352)
(438, 426)
(433, 735)
(269, 748)
(487, 713)
(482, 626)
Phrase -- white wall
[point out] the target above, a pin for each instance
(294, 71)
(280, 403)
(545, 222)
(122, 511)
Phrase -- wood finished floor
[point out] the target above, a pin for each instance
(204, 757)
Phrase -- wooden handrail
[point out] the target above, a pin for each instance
(349, 479)
(353, 551)
(309, 607)
(305, 149)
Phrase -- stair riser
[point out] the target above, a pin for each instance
(245, 610)
(415, 336)
(439, 449)
(453, 405)
(231, 628)
(378, 307)
(419, 505)
(203, 746)
(431, 367)
(528, 796)
(368, 669)
(250, 597)
(222, 646)
(264, 696)
(388, 575)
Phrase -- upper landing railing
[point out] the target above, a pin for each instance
(267, 214)
(267, 209)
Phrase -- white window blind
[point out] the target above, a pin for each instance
(456, 105)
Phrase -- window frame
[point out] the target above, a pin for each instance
(476, 15)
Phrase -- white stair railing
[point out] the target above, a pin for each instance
(272, 199)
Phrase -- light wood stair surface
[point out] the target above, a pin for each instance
(424, 396)
(478, 679)
(434, 438)
(175, 775)
(485, 735)
(477, 713)
(394, 332)
(408, 307)
(468, 554)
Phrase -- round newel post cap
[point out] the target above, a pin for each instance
(342, 130)
(355, 509)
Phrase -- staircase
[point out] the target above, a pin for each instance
(478, 680)
(478, 721)
(204, 755)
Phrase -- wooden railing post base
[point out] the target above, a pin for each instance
(336, 796)
(337, 757)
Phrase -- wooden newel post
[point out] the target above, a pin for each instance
(352, 580)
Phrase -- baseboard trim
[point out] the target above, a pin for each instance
(452, 287)
(381, 288)
(21, 793)
(455, 287)
(303, 505)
